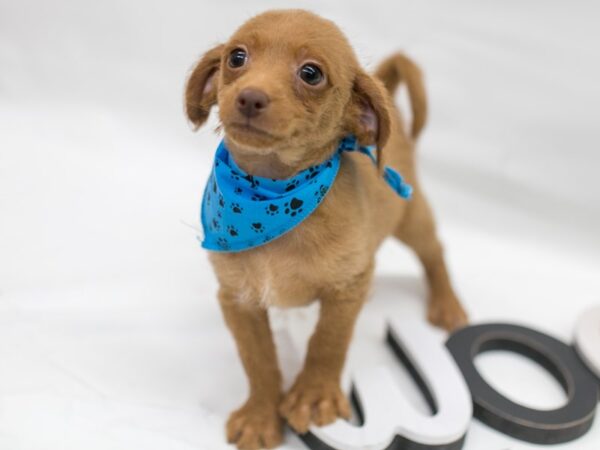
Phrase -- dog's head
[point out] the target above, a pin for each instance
(288, 84)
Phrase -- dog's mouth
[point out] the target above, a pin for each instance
(251, 130)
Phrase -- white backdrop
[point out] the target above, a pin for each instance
(110, 335)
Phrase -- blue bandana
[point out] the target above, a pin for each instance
(241, 211)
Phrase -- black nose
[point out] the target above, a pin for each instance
(251, 102)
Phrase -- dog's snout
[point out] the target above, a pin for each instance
(251, 102)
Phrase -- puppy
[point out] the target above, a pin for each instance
(289, 87)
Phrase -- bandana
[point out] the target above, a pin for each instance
(241, 211)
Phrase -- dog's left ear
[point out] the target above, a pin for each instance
(201, 89)
(370, 113)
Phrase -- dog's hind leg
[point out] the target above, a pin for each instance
(417, 230)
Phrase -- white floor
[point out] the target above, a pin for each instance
(110, 335)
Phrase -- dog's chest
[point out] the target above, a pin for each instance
(285, 281)
(300, 266)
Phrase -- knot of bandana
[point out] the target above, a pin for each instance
(240, 211)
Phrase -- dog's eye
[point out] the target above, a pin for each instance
(311, 74)
(237, 58)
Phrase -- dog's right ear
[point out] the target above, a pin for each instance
(201, 89)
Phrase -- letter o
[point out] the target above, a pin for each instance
(541, 427)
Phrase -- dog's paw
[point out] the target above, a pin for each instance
(254, 426)
(314, 401)
(447, 313)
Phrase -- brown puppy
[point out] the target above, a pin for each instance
(278, 121)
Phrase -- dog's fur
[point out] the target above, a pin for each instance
(330, 256)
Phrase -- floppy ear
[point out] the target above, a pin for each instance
(201, 89)
(370, 116)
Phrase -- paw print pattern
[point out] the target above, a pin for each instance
(233, 218)
(312, 172)
(253, 181)
(258, 227)
(272, 209)
(321, 193)
(293, 207)
(223, 243)
(291, 185)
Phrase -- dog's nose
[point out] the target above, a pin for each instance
(251, 102)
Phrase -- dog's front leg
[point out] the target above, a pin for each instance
(316, 395)
(257, 423)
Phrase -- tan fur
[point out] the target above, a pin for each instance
(330, 256)
(392, 72)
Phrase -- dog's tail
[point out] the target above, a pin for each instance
(399, 68)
